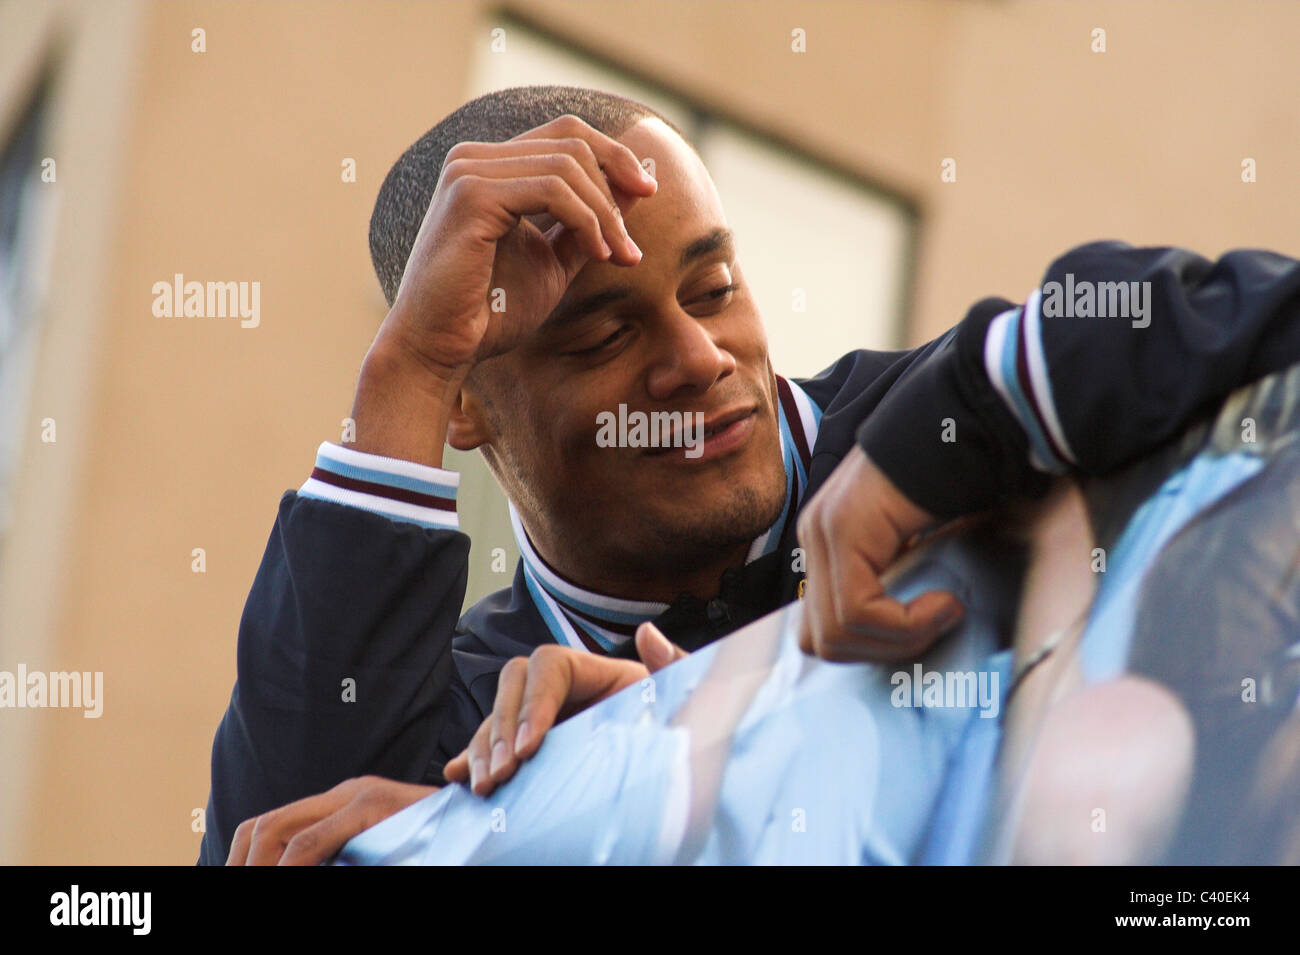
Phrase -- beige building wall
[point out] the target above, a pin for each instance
(176, 434)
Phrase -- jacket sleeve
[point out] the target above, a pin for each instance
(1116, 351)
(344, 661)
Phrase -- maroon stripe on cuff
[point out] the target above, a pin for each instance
(384, 490)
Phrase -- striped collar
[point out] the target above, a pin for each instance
(587, 620)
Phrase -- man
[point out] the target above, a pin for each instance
(521, 312)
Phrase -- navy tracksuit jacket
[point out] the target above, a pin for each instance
(343, 592)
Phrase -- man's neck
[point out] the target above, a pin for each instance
(701, 579)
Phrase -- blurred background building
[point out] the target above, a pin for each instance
(885, 164)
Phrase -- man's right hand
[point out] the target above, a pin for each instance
(474, 241)
(536, 692)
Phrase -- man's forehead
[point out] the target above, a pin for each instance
(679, 225)
(682, 178)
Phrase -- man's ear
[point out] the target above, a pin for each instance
(466, 425)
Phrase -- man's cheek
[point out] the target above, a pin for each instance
(581, 439)
(749, 337)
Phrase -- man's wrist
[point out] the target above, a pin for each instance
(402, 406)
(904, 515)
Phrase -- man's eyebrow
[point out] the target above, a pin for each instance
(720, 238)
(581, 308)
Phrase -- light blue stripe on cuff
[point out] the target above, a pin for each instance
(1044, 458)
(438, 482)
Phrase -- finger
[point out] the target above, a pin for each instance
(504, 201)
(550, 680)
(655, 650)
(819, 610)
(479, 754)
(562, 681)
(241, 841)
(617, 160)
(498, 205)
(273, 830)
(457, 768)
(631, 179)
(884, 617)
(866, 623)
(853, 580)
(460, 768)
(505, 719)
(320, 841)
(803, 534)
(594, 193)
(886, 630)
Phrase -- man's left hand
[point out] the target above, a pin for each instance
(851, 531)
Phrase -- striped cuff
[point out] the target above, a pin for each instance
(1014, 361)
(401, 490)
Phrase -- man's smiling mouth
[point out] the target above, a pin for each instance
(723, 434)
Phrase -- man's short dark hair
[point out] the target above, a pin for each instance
(491, 118)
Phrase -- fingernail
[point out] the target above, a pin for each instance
(522, 736)
(633, 248)
(645, 174)
(478, 772)
(500, 756)
(605, 245)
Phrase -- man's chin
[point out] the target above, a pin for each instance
(712, 522)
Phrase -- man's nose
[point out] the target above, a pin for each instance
(687, 358)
